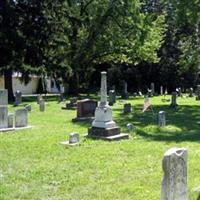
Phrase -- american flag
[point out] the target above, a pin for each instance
(147, 105)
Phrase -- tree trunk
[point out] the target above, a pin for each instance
(8, 84)
(74, 84)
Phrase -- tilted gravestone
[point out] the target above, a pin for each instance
(21, 118)
(3, 97)
(3, 117)
(127, 108)
(173, 100)
(18, 97)
(112, 97)
(161, 119)
(198, 93)
(85, 110)
(174, 183)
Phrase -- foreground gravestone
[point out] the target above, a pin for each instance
(112, 97)
(85, 110)
(174, 184)
(18, 98)
(42, 105)
(161, 119)
(3, 97)
(173, 100)
(21, 118)
(103, 126)
(198, 93)
(127, 108)
(3, 117)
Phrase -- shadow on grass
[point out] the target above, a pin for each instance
(183, 123)
(198, 198)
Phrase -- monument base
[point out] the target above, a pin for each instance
(109, 134)
(68, 144)
(14, 128)
(82, 119)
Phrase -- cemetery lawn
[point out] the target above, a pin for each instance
(34, 166)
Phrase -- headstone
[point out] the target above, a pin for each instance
(3, 117)
(39, 98)
(130, 127)
(198, 93)
(28, 107)
(179, 92)
(18, 97)
(173, 100)
(42, 105)
(72, 103)
(174, 184)
(125, 90)
(10, 120)
(3, 97)
(103, 126)
(112, 97)
(85, 110)
(61, 97)
(161, 90)
(73, 138)
(140, 93)
(153, 89)
(161, 119)
(127, 108)
(191, 92)
(21, 118)
(149, 93)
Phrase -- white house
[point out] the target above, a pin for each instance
(32, 86)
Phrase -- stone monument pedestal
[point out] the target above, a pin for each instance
(103, 126)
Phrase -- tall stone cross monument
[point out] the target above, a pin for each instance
(103, 126)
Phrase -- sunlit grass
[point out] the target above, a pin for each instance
(33, 165)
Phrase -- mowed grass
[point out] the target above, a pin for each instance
(33, 165)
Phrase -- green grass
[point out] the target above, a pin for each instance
(33, 165)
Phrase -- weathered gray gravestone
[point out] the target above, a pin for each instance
(3, 97)
(10, 120)
(198, 93)
(161, 119)
(39, 98)
(28, 107)
(112, 97)
(103, 126)
(173, 100)
(3, 117)
(73, 138)
(21, 118)
(161, 90)
(174, 184)
(153, 88)
(125, 90)
(42, 105)
(18, 97)
(127, 108)
(191, 92)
